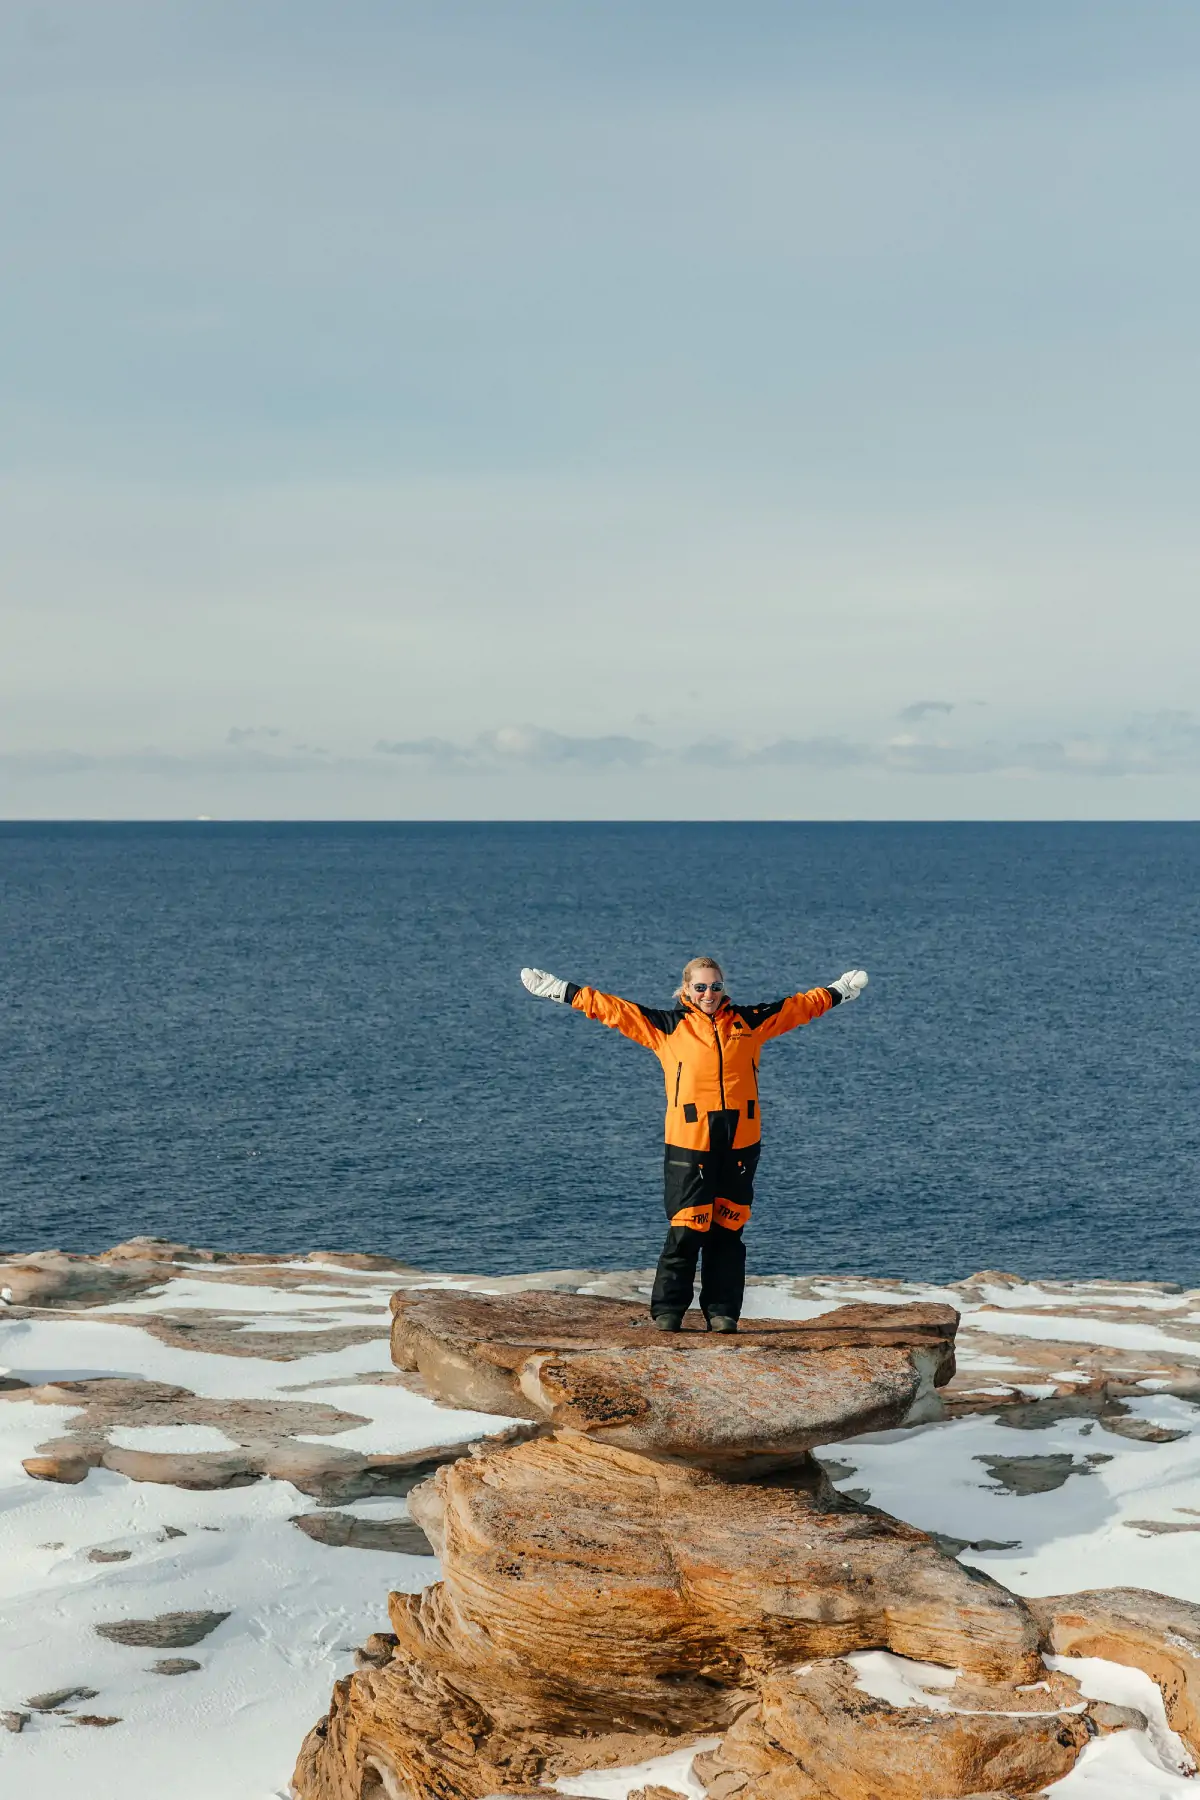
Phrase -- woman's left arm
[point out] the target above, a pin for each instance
(799, 1009)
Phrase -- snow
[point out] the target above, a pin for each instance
(297, 1611)
(1125, 1766)
(771, 1303)
(1061, 1328)
(1122, 1686)
(181, 1438)
(673, 1771)
(399, 1420)
(297, 1608)
(48, 1349)
(182, 1295)
(902, 1682)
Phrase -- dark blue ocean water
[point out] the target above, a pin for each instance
(283, 1037)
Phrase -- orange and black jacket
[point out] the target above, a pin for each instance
(710, 1064)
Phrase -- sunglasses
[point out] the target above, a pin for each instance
(703, 987)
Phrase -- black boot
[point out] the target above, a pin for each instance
(667, 1321)
(721, 1322)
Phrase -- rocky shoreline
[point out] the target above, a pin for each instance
(889, 1535)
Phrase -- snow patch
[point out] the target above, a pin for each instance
(185, 1439)
(674, 1771)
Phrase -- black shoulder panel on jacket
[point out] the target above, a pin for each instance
(662, 1018)
(758, 1015)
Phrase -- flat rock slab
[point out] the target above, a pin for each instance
(1024, 1475)
(169, 1631)
(743, 1404)
(60, 1697)
(399, 1537)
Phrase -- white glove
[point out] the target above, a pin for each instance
(546, 986)
(851, 984)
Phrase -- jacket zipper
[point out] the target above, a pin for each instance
(720, 1061)
(678, 1074)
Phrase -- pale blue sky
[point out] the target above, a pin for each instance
(499, 408)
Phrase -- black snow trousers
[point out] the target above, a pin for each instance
(708, 1195)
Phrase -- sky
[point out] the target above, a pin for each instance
(553, 409)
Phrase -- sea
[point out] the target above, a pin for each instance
(294, 1037)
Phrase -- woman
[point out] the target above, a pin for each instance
(709, 1050)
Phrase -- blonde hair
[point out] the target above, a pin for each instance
(692, 969)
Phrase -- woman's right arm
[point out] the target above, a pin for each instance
(641, 1023)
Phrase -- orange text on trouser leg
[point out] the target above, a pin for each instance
(699, 1218)
(729, 1213)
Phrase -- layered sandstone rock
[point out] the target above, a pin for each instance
(819, 1734)
(667, 1562)
(744, 1405)
(854, 1745)
(545, 1546)
(1147, 1631)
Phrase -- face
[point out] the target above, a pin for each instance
(707, 990)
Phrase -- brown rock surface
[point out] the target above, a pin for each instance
(749, 1413)
(857, 1747)
(267, 1432)
(1107, 1718)
(66, 1462)
(590, 1592)
(234, 1333)
(1144, 1630)
(597, 1601)
(60, 1697)
(406, 1732)
(399, 1537)
(747, 1765)
(545, 1545)
(51, 1278)
(604, 1586)
(169, 1631)
(199, 1471)
(754, 1401)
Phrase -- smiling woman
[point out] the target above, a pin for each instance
(709, 1050)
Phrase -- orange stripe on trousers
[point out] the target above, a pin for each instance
(699, 1218)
